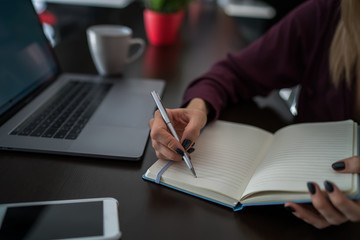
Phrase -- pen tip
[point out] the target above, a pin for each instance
(193, 172)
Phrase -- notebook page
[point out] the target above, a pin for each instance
(304, 152)
(226, 156)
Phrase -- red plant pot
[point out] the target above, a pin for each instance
(162, 28)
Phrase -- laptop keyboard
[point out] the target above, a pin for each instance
(66, 113)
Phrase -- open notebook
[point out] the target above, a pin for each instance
(240, 165)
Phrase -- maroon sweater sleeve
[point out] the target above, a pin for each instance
(276, 60)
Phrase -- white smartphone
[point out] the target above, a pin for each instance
(83, 219)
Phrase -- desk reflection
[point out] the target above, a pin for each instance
(162, 61)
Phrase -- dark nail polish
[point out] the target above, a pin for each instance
(186, 143)
(193, 144)
(329, 187)
(338, 166)
(290, 209)
(191, 150)
(179, 151)
(311, 188)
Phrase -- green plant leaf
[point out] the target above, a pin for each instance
(166, 6)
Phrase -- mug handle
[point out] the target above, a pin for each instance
(138, 53)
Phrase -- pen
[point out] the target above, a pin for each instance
(166, 118)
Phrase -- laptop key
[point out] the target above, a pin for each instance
(50, 132)
(61, 134)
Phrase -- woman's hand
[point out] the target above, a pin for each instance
(332, 208)
(187, 123)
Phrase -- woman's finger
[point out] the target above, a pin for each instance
(308, 214)
(324, 206)
(166, 153)
(348, 165)
(349, 208)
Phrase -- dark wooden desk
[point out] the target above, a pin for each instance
(148, 211)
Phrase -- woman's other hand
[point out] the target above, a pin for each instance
(332, 208)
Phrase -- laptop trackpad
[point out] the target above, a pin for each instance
(124, 109)
(111, 141)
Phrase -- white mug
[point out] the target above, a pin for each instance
(109, 47)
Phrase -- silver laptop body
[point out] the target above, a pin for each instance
(118, 125)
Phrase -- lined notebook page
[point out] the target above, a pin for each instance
(302, 153)
(226, 156)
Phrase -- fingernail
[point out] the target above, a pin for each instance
(186, 143)
(289, 209)
(191, 150)
(338, 166)
(193, 144)
(311, 188)
(179, 151)
(329, 187)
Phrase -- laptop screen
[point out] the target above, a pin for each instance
(26, 60)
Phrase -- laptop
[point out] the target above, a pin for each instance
(45, 110)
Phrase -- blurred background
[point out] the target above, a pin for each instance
(253, 16)
(65, 23)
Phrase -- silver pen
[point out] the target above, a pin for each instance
(166, 118)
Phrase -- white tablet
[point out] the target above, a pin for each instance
(83, 219)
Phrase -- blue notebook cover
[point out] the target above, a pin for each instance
(240, 206)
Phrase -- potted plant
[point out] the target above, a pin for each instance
(162, 19)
